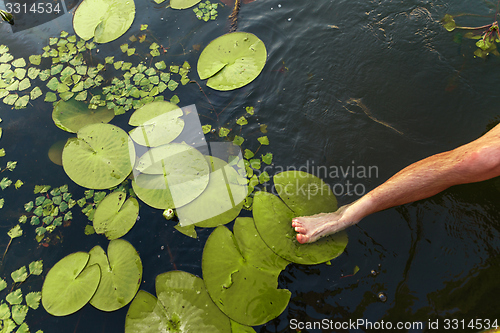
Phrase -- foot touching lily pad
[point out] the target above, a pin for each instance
(72, 115)
(115, 215)
(232, 61)
(70, 284)
(121, 273)
(222, 200)
(301, 194)
(183, 305)
(170, 176)
(105, 20)
(100, 157)
(158, 123)
(241, 274)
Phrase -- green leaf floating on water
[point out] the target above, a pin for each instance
(72, 115)
(105, 20)
(19, 275)
(183, 4)
(241, 274)
(114, 216)
(171, 176)
(183, 305)
(121, 273)
(70, 284)
(232, 61)
(301, 194)
(158, 123)
(101, 157)
(222, 200)
(238, 328)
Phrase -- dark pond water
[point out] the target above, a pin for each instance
(350, 83)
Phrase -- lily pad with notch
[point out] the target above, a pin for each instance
(232, 61)
(241, 274)
(100, 157)
(121, 273)
(105, 20)
(70, 284)
(300, 194)
(222, 200)
(158, 123)
(183, 305)
(116, 215)
(170, 176)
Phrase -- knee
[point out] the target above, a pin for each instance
(480, 163)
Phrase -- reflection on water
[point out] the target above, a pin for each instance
(436, 259)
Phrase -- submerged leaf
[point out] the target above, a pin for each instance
(72, 115)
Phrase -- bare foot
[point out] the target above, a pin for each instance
(310, 228)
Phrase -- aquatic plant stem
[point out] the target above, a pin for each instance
(6, 249)
(206, 98)
(233, 18)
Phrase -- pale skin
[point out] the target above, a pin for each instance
(473, 162)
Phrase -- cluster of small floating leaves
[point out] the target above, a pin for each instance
(252, 162)
(6, 182)
(206, 11)
(13, 312)
(109, 282)
(70, 76)
(49, 210)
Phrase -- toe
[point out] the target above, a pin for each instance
(302, 238)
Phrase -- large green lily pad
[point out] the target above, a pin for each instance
(158, 124)
(301, 194)
(241, 274)
(115, 215)
(72, 115)
(183, 305)
(183, 4)
(232, 60)
(171, 176)
(222, 200)
(121, 273)
(105, 20)
(70, 284)
(100, 157)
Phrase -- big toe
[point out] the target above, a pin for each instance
(302, 238)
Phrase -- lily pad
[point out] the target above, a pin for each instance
(105, 20)
(171, 176)
(232, 60)
(183, 4)
(158, 124)
(121, 273)
(114, 216)
(183, 305)
(241, 274)
(100, 157)
(70, 284)
(72, 115)
(222, 200)
(301, 194)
